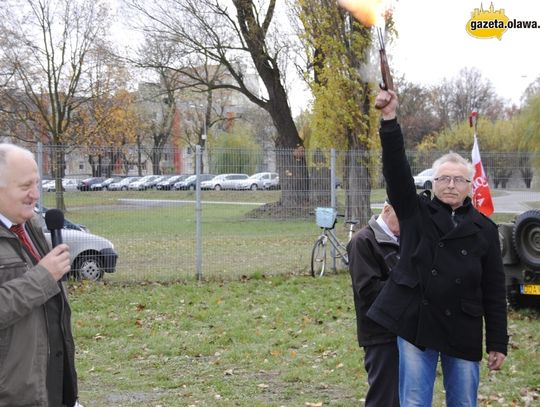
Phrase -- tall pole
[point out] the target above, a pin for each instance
(198, 213)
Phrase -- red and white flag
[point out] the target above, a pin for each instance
(481, 195)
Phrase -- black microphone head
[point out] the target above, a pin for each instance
(54, 219)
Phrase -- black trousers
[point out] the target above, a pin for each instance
(382, 366)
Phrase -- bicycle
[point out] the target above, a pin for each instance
(326, 219)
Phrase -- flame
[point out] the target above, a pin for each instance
(368, 12)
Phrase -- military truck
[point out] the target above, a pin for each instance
(520, 247)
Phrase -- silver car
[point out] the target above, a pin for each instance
(260, 180)
(91, 255)
(424, 179)
(224, 181)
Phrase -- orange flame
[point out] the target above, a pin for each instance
(367, 12)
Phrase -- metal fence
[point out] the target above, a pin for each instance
(171, 234)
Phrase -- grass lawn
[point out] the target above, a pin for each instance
(267, 341)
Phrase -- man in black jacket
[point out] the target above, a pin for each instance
(373, 252)
(449, 280)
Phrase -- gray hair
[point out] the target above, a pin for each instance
(5, 150)
(454, 158)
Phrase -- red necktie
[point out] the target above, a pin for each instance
(25, 240)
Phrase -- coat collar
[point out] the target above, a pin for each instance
(380, 235)
(470, 221)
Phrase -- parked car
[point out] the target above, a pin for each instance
(142, 184)
(91, 255)
(48, 185)
(85, 184)
(224, 181)
(122, 185)
(167, 183)
(424, 179)
(260, 180)
(152, 183)
(102, 186)
(190, 181)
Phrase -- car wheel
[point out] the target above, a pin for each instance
(254, 187)
(217, 187)
(123, 189)
(87, 267)
(526, 238)
(427, 185)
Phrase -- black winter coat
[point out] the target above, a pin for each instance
(449, 280)
(372, 254)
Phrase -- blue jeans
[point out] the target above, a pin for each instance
(417, 370)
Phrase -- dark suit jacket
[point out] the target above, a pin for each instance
(372, 254)
(449, 280)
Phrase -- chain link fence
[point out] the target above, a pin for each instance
(235, 227)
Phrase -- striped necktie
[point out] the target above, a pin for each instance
(25, 240)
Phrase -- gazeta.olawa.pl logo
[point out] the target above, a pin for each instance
(494, 23)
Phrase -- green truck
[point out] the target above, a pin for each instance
(520, 247)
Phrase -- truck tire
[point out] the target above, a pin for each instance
(526, 238)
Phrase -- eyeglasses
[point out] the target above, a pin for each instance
(458, 180)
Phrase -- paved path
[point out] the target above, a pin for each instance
(515, 201)
(504, 202)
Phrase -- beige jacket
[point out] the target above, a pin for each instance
(24, 290)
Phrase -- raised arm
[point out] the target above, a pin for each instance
(397, 172)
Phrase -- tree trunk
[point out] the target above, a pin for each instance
(291, 163)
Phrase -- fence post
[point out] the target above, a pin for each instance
(198, 210)
(39, 159)
(333, 201)
(333, 178)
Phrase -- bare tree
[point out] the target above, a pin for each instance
(416, 114)
(46, 43)
(237, 38)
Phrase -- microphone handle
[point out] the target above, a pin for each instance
(56, 239)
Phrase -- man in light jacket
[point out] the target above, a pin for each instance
(36, 344)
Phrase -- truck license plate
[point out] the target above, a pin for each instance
(530, 289)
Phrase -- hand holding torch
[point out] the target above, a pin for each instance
(365, 11)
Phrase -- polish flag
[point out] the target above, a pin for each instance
(481, 196)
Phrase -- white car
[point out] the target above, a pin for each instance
(260, 180)
(91, 256)
(424, 179)
(68, 184)
(224, 181)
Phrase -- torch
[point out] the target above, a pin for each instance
(368, 12)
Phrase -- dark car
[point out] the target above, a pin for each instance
(102, 186)
(190, 181)
(85, 184)
(167, 183)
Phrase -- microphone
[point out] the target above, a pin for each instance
(54, 219)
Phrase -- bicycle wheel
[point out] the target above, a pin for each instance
(318, 257)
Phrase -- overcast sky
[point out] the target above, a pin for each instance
(433, 44)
